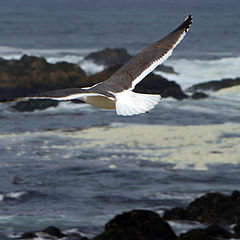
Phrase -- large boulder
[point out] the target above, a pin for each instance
(215, 85)
(199, 95)
(212, 232)
(136, 225)
(109, 57)
(214, 208)
(53, 232)
(34, 104)
(33, 75)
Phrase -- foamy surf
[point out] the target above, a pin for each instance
(197, 71)
(183, 147)
(186, 147)
(12, 195)
(90, 67)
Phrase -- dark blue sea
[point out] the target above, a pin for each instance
(75, 166)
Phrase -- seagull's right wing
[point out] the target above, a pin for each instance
(129, 75)
(60, 95)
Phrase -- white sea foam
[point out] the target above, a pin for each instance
(231, 93)
(90, 67)
(64, 107)
(182, 147)
(184, 226)
(197, 71)
(186, 147)
(66, 58)
(12, 195)
(51, 55)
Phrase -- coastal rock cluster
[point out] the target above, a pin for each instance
(32, 74)
(219, 212)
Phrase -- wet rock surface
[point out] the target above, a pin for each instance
(30, 75)
(32, 105)
(53, 233)
(109, 57)
(211, 208)
(218, 211)
(137, 224)
(215, 85)
(199, 95)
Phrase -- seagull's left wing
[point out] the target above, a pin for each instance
(128, 76)
(61, 94)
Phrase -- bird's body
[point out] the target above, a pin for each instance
(100, 102)
(117, 91)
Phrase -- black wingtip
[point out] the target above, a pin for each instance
(189, 19)
(187, 22)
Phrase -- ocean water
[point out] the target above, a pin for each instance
(75, 166)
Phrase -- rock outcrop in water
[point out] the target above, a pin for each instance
(109, 57)
(31, 75)
(211, 208)
(212, 232)
(35, 104)
(137, 224)
(215, 85)
(217, 210)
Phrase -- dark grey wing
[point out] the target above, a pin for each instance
(61, 94)
(147, 60)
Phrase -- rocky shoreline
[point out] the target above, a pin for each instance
(32, 74)
(219, 213)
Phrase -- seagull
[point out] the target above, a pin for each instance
(117, 91)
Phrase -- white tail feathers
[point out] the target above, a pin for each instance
(130, 103)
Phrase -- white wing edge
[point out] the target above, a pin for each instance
(65, 98)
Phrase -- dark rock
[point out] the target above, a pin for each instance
(235, 195)
(199, 95)
(237, 230)
(196, 234)
(31, 105)
(28, 235)
(212, 232)
(166, 69)
(109, 57)
(75, 237)
(213, 208)
(137, 225)
(215, 85)
(31, 75)
(175, 213)
(51, 230)
(218, 231)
